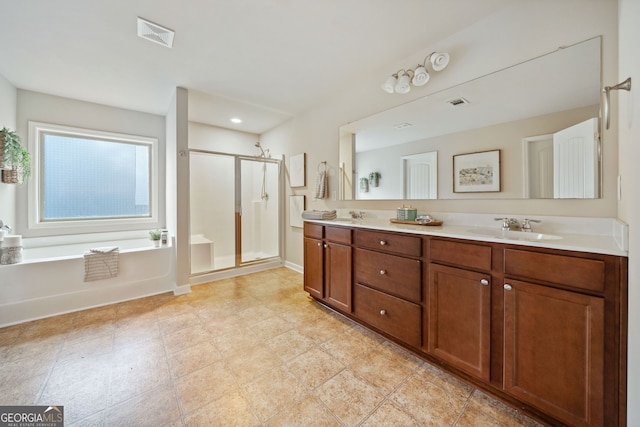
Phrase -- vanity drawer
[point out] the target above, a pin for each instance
(338, 234)
(313, 230)
(398, 244)
(581, 273)
(395, 275)
(395, 316)
(468, 255)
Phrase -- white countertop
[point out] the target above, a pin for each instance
(613, 243)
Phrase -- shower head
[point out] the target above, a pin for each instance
(262, 151)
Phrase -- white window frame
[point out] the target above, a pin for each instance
(36, 224)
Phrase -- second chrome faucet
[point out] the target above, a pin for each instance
(512, 224)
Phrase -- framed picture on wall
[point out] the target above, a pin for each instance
(296, 207)
(476, 172)
(298, 170)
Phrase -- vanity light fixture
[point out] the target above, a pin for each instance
(402, 85)
(401, 81)
(390, 84)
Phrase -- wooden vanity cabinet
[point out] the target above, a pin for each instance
(543, 329)
(338, 276)
(459, 306)
(562, 333)
(314, 260)
(328, 264)
(554, 350)
(388, 283)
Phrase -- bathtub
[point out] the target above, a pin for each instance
(50, 279)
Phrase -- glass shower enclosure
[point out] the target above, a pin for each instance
(234, 210)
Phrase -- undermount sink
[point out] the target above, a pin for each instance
(514, 235)
(343, 219)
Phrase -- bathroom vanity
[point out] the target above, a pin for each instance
(539, 323)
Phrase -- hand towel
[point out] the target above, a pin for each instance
(319, 215)
(322, 185)
(101, 263)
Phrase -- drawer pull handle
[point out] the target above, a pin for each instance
(383, 312)
(507, 287)
(485, 282)
(382, 242)
(383, 272)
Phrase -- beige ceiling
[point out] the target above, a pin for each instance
(266, 59)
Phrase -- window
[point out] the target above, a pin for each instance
(91, 178)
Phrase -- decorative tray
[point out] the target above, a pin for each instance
(433, 223)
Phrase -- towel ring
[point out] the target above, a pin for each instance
(322, 165)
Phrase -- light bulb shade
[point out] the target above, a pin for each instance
(389, 85)
(403, 86)
(420, 76)
(439, 61)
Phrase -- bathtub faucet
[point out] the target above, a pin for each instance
(4, 226)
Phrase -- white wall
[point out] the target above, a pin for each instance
(213, 138)
(35, 106)
(628, 118)
(8, 99)
(177, 185)
(523, 31)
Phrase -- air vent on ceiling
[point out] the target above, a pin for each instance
(458, 101)
(402, 125)
(155, 33)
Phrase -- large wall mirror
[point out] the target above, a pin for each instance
(526, 131)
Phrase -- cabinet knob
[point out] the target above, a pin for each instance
(319, 244)
(383, 272)
(507, 287)
(325, 245)
(382, 242)
(485, 282)
(383, 312)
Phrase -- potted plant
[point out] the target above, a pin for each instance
(374, 179)
(15, 160)
(155, 236)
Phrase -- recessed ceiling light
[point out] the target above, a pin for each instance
(155, 33)
(236, 120)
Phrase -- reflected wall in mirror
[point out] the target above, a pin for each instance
(522, 111)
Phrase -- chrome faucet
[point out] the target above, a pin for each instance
(4, 226)
(509, 224)
(526, 224)
(512, 224)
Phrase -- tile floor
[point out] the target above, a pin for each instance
(248, 351)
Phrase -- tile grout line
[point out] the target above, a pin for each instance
(464, 408)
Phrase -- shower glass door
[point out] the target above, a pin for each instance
(235, 210)
(259, 213)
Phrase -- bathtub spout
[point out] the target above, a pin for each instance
(6, 227)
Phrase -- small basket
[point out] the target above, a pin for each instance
(12, 176)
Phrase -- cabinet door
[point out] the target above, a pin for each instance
(459, 318)
(553, 355)
(338, 278)
(313, 267)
